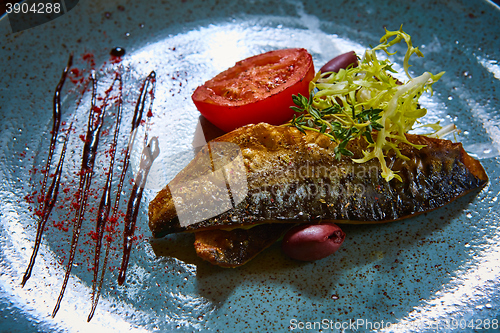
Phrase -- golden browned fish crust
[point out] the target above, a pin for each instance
(292, 177)
(233, 248)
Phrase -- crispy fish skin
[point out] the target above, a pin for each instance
(294, 177)
(233, 248)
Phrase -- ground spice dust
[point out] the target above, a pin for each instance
(73, 196)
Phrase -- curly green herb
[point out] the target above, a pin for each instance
(358, 101)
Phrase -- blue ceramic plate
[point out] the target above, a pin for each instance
(437, 272)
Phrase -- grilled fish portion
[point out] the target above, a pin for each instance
(233, 248)
(278, 174)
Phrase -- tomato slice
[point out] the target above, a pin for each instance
(257, 89)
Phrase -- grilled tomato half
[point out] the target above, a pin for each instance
(257, 89)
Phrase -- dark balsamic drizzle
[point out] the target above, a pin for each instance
(94, 127)
(95, 122)
(136, 121)
(148, 88)
(50, 197)
(149, 154)
(117, 52)
(104, 208)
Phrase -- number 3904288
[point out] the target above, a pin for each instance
(36, 8)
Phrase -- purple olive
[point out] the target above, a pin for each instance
(308, 242)
(340, 61)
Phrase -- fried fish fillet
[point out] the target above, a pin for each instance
(233, 248)
(277, 174)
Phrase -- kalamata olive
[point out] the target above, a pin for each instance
(340, 61)
(309, 242)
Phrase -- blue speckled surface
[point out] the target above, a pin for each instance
(440, 268)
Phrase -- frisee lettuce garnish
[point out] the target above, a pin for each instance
(357, 101)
